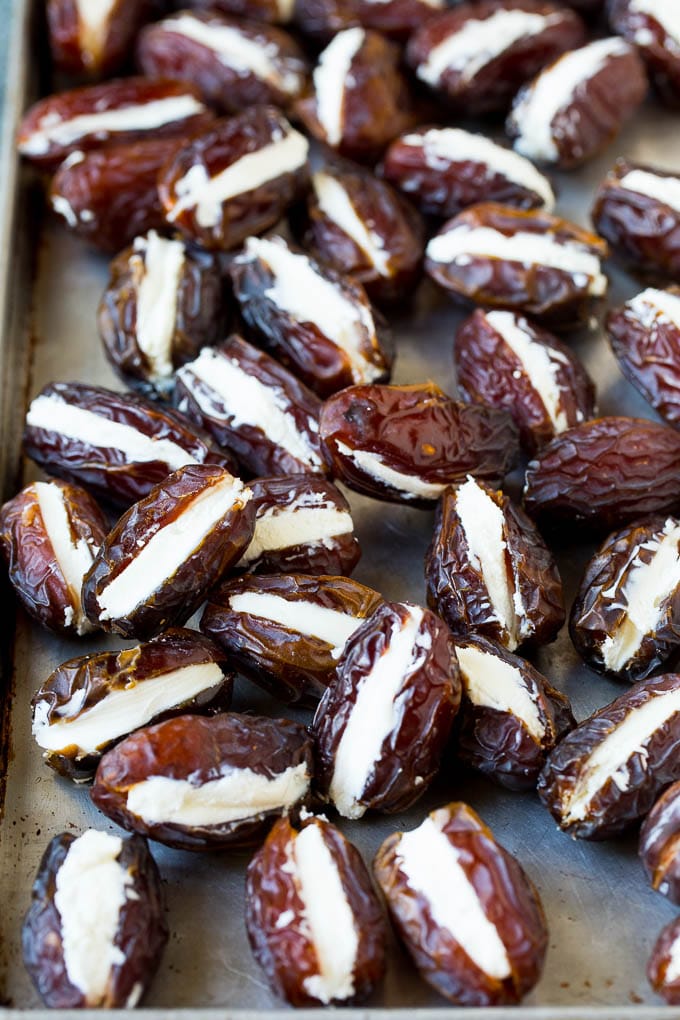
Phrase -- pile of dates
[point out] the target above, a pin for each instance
(273, 179)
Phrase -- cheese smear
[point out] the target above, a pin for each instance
(652, 306)
(287, 527)
(664, 13)
(336, 204)
(94, 20)
(410, 486)
(492, 682)
(320, 622)
(662, 189)
(161, 272)
(331, 78)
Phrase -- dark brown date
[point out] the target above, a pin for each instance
(479, 54)
(87, 40)
(286, 632)
(316, 321)
(466, 911)
(236, 179)
(659, 847)
(625, 620)
(606, 774)
(303, 524)
(314, 956)
(605, 473)
(444, 170)
(652, 28)
(405, 444)
(234, 64)
(637, 208)
(504, 360)
(164, 555)
(645, 337)
(117, 445)
(253, 407)
(95, 931)
(663, 969)
(277, 12)
(200, 783)
(90, 703)
(163, 303)
(49, 535)
(322, 19)
(381, 727)
(529, 262)
(510, 716)
(488, 571)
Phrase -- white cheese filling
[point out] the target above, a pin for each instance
(376, 713)
(241, 399)
(157, 292)
(52, 130)
(410, 486)
(483, 523)
(478, 42)
(237, 794)
(335, 203)
(308, 297)
(656, 305)
(169, 548)
(540, 363)
(330, 919)
(56, 415)
(444, 146)
(661, 189)
(493, 683)
(664, 13)
(206, 195)
(123, 710)
(645, 589)
(553, 91)
(432, 867)
(610, 758)
(91, 891)
(94, 19)
(320, 622)
(464, 243)
(295, 525)
(673, 968)
(285, 10)
(73, 554)
(331, 76)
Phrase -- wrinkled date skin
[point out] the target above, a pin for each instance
(270, 11)
(605, 473)
(494, 739)
(197, 750)
(321, 361)
(387, 256)
(490, 371)
(294, 663)
(657, 45)
(45, 139)
(429, 695)
(218, 408)
(396, 19)
(196, 295)
(643, 230)
(140, 937)
(287, 951)
(215, 223)
(659, 847)
(166, 49)
(662, 971)
(504, 893)
(375, 106)
(457, 585)
(646, 342)
(79, 686)
(303, 525)
(482, 85)
(425, 440)
(597, 793)
(93, 50)
(560, 297)
(45, 588)
(613, 599)
(112, 473)
(179, 575)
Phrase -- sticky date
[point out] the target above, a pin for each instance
(659, 847)
(85, 43)
(663, 972)
(322, 19)
(650, 26)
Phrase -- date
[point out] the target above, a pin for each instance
(86, 40)
(650, 26)
(277, 12)
(659, 848)
(322, 19)
(663, 967)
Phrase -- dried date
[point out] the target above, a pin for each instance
(322, 19)
(659, 847)
(663, 967)
(93, 41)
(650, 25)
(277, 12)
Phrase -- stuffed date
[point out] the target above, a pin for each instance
(663, 967)
(659, 846)
(652, 27)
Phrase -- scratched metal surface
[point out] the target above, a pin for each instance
(603, 919)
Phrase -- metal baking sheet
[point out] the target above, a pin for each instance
(603, 919)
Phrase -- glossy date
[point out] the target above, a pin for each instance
(651, 28)
(659, 846)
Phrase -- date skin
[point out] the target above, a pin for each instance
(294, 665)
(200, 750)
(663, 980)
(658, 49)
(90, 679)
(286, 952)
(80, 50)
(418, 431)
(648, 769)
(659, 847)
(506, 896)
(141, 935)
(396, 19)
(269, 11)
(605, 473)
